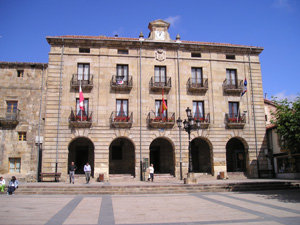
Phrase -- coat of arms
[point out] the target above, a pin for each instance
(160, 55)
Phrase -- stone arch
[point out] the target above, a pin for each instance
(202, 155)
(237, 155)
(81, 150)
(122, 156)
(162, 155)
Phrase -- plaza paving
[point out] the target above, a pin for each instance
(261, 207)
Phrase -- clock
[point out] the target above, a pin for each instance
(159, 35)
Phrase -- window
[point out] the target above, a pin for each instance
(233, 109)
(159, 112)
(122, 73)
(196, 75)
(123, 51)
(83, 70)
(82, 113)
(160, 74)
(196, 55)
(12, 106)
(122, 107)
(198, 110)
(14, 165)
(230, 56)
(84, 50)
(116, 153)
(22, 136)
(231, 76)
(20, 73)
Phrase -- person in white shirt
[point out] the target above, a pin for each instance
(2, 184)
(87, 170)
(151, 171)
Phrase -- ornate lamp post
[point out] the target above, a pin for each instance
(188, 126)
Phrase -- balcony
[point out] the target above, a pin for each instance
(80, 121)
(86, 83)
(161, 121)
(194, 86)
(204, 121)
(9, 119)
(121, 121)
(234, 89)
(234, 121)
(117, 83)
(158, 86)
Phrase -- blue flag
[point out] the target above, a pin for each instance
(245, 87)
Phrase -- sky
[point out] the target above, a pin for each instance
(271, 24)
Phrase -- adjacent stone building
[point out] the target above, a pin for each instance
(134, 91)
(21, 117)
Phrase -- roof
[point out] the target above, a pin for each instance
(269, 102)
(23, 64)
(101, 37)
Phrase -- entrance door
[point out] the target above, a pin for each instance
(81, 151)
(154, 158)
(235, 156)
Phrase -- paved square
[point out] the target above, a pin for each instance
(265, 207)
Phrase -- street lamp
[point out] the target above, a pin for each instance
(188, 126)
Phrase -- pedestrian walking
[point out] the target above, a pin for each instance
(12, 186)
(87, 170)
(2, 184)
(151, 171)
(72, 169)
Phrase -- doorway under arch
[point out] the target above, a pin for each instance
(162, 156)
(81, 151)
(236, 156)
(122, 157)
(201, 156)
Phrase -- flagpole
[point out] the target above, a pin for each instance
(79, 100)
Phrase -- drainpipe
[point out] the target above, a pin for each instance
(255, 136)
(141, 162)
(39, 130)
(59, 103)
(179, 107)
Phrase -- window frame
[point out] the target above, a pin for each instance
(195, 80)
(15, 161)
(20, 73)
(197, 107)
(160, 69)
(123, 51)
(122, 104)
(83, 75)
(22, 136)
(85, 105)
(230, 56)
(231, 81)
(158, 113)
(196, 55)
(84, 50)
(231, 107)
(11, 106)
(121, 67)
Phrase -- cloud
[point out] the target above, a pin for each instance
(283, 95)
(173, 20)
(282, 4)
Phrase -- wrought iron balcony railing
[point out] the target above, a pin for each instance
(235, 121)
(195, 86)
(9, 119)
(231, 88)
(204, 120)
(161, 121)
(158, 85)
(82, 80)
(117, 83)
(83, 120)
(122, 120)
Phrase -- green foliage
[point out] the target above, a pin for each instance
(287, 120)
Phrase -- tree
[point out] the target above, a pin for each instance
(287, 120)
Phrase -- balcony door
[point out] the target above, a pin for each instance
(84, 112)
(198, 109)
(196, 75)
(231, 77)
(122, 73)
(122, 107)
(233, 109)
(160, 74)
(12, 106)
(83, 70)
(158, 109)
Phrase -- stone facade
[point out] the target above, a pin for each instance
(106, 139)
(21, 84)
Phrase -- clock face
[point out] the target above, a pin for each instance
(159, 35)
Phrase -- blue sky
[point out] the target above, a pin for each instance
(272, 24)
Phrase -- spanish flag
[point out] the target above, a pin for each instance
(163, 103)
